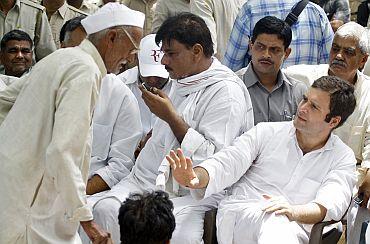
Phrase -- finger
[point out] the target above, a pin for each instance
(182, 158)
(274, 208)
(175, 158)
(159, 92)
(283, 211)
(189, 163)
(171, 162)
(266, 196)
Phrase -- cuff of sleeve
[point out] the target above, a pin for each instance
(212, 186)
(81, 214)
(191, 142)
(334, 210)
(106, 176)
(365, 164)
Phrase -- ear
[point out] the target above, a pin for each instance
(250, 45)
(111, 37)
(334, 122)
(287, 53)
(363, 60)
(197, 50)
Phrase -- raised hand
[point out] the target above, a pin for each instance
(182, 169)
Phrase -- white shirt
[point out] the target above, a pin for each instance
(130, 78)
(219, 16)
(45, 149)
(222, 113)
(267, 160)
(355, 132)
(116, 131)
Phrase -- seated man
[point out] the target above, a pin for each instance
(146, 218)
(208, 108)
(16, 53)
(284, 176)
(349, 53)
(275, 95)
(151, 73)
(116, 124)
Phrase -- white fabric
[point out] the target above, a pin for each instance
(150, 56)
(117, 131)
(219, 16)
(267, 160)
(2, 84)
(110, 15)
(130, 78)
(355, 132)
(45, 149)
(222, 112)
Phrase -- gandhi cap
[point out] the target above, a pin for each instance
(110, 15)
(150, 56)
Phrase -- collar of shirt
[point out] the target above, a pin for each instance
(63, 9)
(89, 48)
(250, 78)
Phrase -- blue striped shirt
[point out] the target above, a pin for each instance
(311, 40)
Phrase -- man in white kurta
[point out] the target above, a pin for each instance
(214, 107)
(45, 149)
(347, 55)
(284, 176)
(220, 17)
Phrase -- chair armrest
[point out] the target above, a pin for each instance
(209, 227)
(317, 229)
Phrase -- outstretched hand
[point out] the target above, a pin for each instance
(182, 169)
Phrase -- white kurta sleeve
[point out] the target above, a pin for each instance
(336, 190)
(127, 132)
(66, 159)
(366, 150)
(230, 164)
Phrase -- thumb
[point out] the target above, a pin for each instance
(159, 92)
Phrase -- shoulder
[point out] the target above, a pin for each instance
(33, 4)
(76, 10)
(129, 76)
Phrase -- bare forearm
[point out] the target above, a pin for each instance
(178, 126)
(96, 184)
(310, 213)
(202, 176)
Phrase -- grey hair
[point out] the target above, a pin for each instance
(356, 31)
(97, 36)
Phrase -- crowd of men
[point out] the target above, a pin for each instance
(126, 121)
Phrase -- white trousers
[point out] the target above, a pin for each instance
(241, 221)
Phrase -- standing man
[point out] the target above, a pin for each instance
(144, 6)
(30, 17)
(59, 12)
(338, 12)
(168, 8)
(312, 33)
(219, 16)
(284, 176)
(16, 53)
(84, 6)
(45, 149)
(208, 108)
(275, 96)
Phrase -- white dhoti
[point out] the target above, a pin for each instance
(242, 221)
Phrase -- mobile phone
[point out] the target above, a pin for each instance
(359, 199)
(146, 87)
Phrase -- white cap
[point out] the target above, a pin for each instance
(110, 15)
(150, 56)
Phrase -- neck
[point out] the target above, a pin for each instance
(75, 3)
(351, 78)
(52, 6)
(308, 142)
(269, 80)
(6, 5)
(201, 66)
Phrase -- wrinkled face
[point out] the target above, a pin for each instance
(345, 57)
(154, 81)
(312, 111)
(122, 47)
(177, 59)
(74, 38)
(16, 57)
(268, 53)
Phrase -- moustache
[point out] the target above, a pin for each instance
(266, 60)
(338, 62)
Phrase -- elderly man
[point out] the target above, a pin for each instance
(206, 110)
(275, 95)
(45, 149)
(312, 33)
(284, 176)
(59, 12)
(349, 53)
(16, 53)
(219, 16)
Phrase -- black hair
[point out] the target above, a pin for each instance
(70, 26)
(274, 26)
(188, 29)
(146, 218)
(17, 35)
(342, 98)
